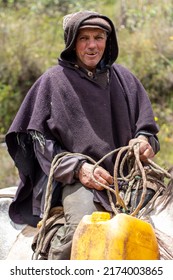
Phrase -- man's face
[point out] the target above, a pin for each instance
(90, 47)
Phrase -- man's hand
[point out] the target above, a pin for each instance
(100, 174)
(145, 149)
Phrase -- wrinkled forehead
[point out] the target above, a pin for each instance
(92, 31)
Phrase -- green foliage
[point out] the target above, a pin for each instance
(8, 172)
(164, 119)
(8, 98)
(51, 7)
(21, 58)
(148, 49)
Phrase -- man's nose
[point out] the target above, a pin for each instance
(92, 43)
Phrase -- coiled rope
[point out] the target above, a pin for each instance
(123, 154)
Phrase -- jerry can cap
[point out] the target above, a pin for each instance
(100, 216)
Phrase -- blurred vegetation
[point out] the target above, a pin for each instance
(31, 39)
(8, 171)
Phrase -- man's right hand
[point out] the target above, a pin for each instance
(100, 174)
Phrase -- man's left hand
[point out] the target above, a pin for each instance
(145, 149)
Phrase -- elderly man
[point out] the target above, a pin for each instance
(86, 104)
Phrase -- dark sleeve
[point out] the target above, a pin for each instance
(140, 108)
(152, 139)
(45, 150)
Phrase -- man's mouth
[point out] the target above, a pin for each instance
(92, 53)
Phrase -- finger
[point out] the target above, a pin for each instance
(96, 179)
(100, 172)
(94, 184)
(148, 154)
(143, 147)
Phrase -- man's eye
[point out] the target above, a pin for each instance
(83, 38)
(99, 38)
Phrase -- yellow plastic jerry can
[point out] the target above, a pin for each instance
(123, 237)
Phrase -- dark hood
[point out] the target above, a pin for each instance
(71, 31)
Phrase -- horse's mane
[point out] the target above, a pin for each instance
(163, 200)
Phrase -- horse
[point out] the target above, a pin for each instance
(15, 240)
(160, 216)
